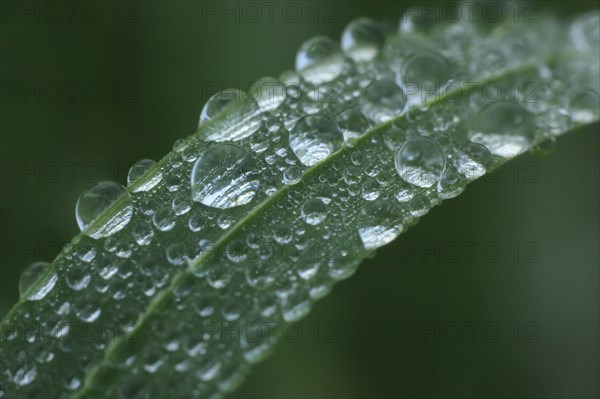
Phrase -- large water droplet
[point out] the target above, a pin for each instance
(420, 161)
(268, 92)
(352, 123)
(319, 60)
(94, 201)
(314, 138)
(224, 176)
(473, 160)
(382, 223)
(241, 119)
(362, 39)
(138, 170)
(382, 100)
(505, 128)
(423, 74)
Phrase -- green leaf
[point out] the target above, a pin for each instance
(183, 282)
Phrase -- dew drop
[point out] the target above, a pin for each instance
(585, 107)
(427, 71)
(314, 138)
(138, 170)
(241, 120)
(420, 161)
(268, 92)
(473, 159)
(393, 138)
(224, 176)
(292, 175)
(419, 205)
(352, 123)
(95, 200)
(319, 60)
(505, 128)
(382, 100)
(382, 223)
(314, 211)
(362, 39)
(449, 185)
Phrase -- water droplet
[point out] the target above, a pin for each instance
(138, 170)
(26, 370)
(352, 123)
(418, 20)
(382, 100)
(77, 277)
(425, 73)
(164, 219)
(283, 234)
(371, 190)
(94, 201)
(268, 92)
(241, 120)
(292, 175)
(419, 205)
(319, 60)
(420, 161)
(314, 138)
(393, 138)
(314, 211)
(449, 185)
(30, 275)
(362, 39)
(143, 234)
(176, 254)
(382, 223)
(224, 176)
(473, 159)
(585, 107)
(585, 32)
(505, 128)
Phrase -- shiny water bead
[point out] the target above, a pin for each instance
(352, 123)
(584, 106)
(382, 100)
(505, 128)
(94, 201)
(473, 160)
(585, 32)
(224, 176)
(30, 275)
(292, 175)
(234, 114)
(268, 92)
(394, 137)
(314, 138)
(423, 74)
(420, 161)
(419, 205)
(381, 223)
(449, 185)
(314, 211)
(138, 170)
(362, 39)
(319, 60)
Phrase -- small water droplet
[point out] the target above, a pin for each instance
(314, 211)
(319, 60)
(362, 39)
(382, 100)
(292, 175)
(473, 160)
(352, 123)
(393, 138)
(268, 92)
(224, 176)
(585, 107)
(94, 201)
(314, 138)
(505, 128)
(241, 120)
(30, 275)
(425, 73)
(138, 170)
(419, 205)
(382, 223)
(420, 161)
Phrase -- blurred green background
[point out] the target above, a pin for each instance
(88, 94)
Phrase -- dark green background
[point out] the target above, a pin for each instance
(162, 62)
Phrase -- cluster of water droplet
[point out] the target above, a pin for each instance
(244, 225)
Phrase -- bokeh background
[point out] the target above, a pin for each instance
(132, 79)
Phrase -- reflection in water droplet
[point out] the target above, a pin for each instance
(473, 159)
(94, 201)
(314, 211)
(420, 161)
(138, 170)
(393, 138)
(292, 175)
(505, 128)
(449, 185)
(314, 138)
(352, 123)
(319, 60)
(382, 223)
(382, 100)
(419, 205)
(224, 176)
(423, 74)
(362, 39)
(268, 92)
(241, 119)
